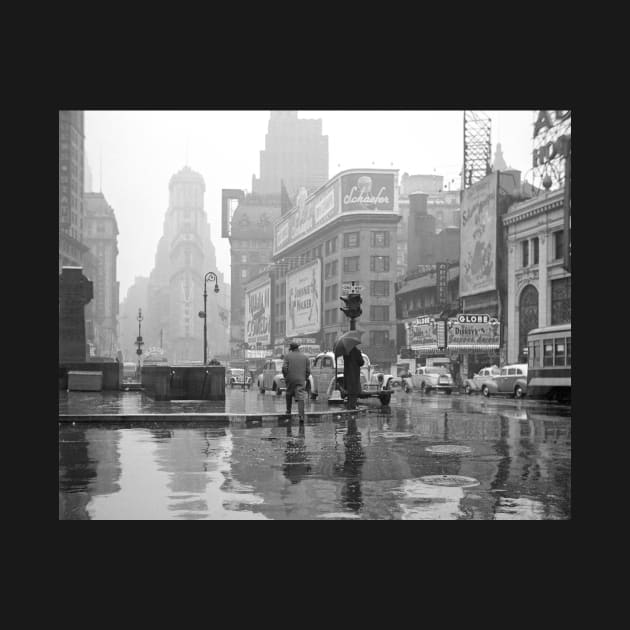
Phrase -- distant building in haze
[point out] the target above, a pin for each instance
(101, 236)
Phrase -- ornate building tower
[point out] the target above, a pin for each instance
(175, 294)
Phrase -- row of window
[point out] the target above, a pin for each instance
(378, 238)
(530, 249)
(550, 352)
(351, 264)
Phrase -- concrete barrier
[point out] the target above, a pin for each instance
(175, 382)
(112, 372)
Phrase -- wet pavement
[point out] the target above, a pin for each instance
(423, 457)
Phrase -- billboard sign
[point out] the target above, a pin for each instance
(470, 331)
(258, 315)
(442, 283)
(478, 250)
(303, 305)
(422, 334)
(309, 216)
(367, 191)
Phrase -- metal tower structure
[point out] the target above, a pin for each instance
(477, 147)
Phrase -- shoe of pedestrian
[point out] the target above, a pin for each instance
(301, 419)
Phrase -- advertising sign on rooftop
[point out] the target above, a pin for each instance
(367, 191)
(478, 238)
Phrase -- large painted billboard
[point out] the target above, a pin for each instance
(367, 191)
(422, 333)
(303, 305)
(258, 315)
(478, 251)
(315, 212)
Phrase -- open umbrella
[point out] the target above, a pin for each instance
(347, 341)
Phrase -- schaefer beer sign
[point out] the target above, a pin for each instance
(367, 191)
(257, 315)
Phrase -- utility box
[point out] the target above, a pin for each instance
(85, 381)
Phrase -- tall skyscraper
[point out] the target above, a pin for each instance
(101, 236)
(184, 255)
(295, 151)
(71, 186)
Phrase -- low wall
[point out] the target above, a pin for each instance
(163, 382)
(112, 372)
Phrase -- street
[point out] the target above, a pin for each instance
(426, 456)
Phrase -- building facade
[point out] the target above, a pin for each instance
(101, 236)
(295, 152)
(344, 232)
(71, 186)
(185, 254)
(539, 287)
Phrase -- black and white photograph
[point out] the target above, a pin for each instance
(314, 315)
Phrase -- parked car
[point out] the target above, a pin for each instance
(271, 377)
(430, 378)
(374, 383)
(475, 383)
(129, 370)
(512, 380)
(235, 377)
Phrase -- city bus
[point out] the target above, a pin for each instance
(549, 363)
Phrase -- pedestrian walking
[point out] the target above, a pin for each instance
(352, 363)
(296, 370)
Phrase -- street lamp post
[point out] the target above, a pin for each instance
(204, 314)
(139, 341)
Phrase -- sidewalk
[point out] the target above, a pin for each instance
(106, 405)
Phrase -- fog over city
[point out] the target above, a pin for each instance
(133, 154)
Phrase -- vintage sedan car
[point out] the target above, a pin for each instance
(235, 377)
(374, 383)
(271, 377)
(475, 383)
(512, 380)
(431, 378)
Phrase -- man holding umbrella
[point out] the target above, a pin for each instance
(346, 345)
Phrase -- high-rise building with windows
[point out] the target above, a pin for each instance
(101, 236)
(71, 187)
(295, 152)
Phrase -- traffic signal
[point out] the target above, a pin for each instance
(353, 305)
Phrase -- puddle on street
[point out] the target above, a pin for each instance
(386, 464)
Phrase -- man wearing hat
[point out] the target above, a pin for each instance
(296, 370)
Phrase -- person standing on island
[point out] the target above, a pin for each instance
(296, 370)
(352, 375)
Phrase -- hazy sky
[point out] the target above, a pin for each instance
(135, 153)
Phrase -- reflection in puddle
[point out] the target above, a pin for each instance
(375, 466)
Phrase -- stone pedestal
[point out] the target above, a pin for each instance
(75, 291)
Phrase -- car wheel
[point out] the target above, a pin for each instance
(423, 387)
(261, 390)
(407, 389)
(231, 385)
(277, 390)
(468, 390)
(385, 398)
(518, 392)
(485, 391)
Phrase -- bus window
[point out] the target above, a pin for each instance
(560, 353)
(547, 353)
(568, 350)
(535, 353)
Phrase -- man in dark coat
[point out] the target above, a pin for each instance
(352, 375)
(296, 370)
